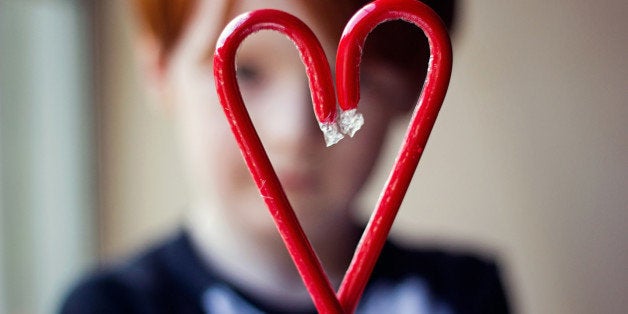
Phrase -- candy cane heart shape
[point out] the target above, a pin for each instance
(421, 123)
(323, 97)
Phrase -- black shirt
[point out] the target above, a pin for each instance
(171, 278)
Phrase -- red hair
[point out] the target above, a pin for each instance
(398, 43)
(164, 20)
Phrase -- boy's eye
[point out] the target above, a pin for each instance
(248, 74)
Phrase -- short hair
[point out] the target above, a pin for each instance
(394, 42)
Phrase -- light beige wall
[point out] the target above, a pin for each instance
(528, 160)
(142, 190)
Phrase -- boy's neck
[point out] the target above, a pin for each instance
(261, 265)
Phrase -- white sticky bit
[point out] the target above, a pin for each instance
(331, 133)
(350, 122)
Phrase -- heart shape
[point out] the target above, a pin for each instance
(321, 86)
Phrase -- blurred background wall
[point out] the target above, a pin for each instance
(47, 151)
(528, 160)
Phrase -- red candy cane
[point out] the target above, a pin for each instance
(347, 68)
(254, 154)
(430, 101)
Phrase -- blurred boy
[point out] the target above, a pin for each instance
(229, 258)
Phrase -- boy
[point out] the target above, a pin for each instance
(229, 257)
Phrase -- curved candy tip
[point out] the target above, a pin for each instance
(350, 122)
(331, 133)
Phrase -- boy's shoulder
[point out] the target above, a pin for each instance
(469, 281)
(400, 258)
(159, 280)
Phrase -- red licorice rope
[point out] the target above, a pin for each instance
(347, 69)
(430, 101)
(252, 149)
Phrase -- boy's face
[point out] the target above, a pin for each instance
(320, 182)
